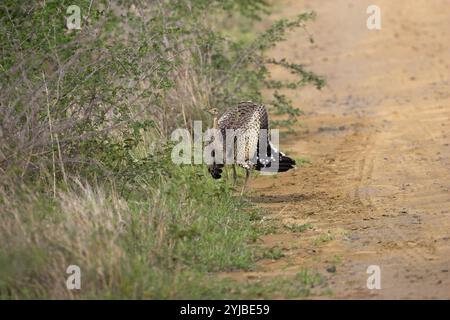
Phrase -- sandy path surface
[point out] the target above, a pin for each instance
(377, 190)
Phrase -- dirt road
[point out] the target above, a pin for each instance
(377, 190)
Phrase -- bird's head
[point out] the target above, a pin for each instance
(213, 111)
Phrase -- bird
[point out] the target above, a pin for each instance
(250, 124)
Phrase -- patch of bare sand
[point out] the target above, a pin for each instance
(378, 189)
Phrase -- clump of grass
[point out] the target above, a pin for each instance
(306, 283)
(298, 228)
(303, 284)
(324, 238)
(273, 253)
(337, 259)
(301, 161)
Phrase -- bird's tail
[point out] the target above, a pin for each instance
(285, 163)
(215, 170)
(274, 161)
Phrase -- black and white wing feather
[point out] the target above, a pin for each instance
(249, 123)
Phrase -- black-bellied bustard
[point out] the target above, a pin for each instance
(251, 149)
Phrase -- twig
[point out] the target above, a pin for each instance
(51, 135)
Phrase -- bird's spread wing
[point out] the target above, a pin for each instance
(246, 120)
(247, 116)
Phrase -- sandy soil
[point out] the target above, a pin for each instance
(377, 191)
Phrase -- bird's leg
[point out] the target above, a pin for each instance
(247, 175)
(234, 174)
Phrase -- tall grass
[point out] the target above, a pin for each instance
(130, 248)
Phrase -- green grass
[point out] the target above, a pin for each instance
(122, 245)
(324, 238)
(303, 284)
(301, 161)
(273, 253)
(167, 243)
(164, 244)
(298, 228)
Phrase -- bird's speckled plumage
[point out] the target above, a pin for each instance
(249, 120)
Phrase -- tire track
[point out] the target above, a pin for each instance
(377, 137)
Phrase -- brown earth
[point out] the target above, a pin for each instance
(377, 190)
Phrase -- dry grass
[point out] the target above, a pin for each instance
(41, 240)
(125, 248)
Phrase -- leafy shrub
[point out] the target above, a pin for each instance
(74, 101)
